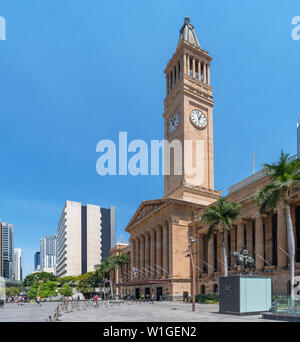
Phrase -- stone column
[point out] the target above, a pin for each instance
(201, 238)
(208, 74)
(240, 236)
(197, 254)
(228, 256)
(167, 84)
(165, 250)
(170, 242)
(132, 259)
(188, 64)
(282, 259)
(268, 239)
(210, 256)
(184, 64)
(219, 253)
(142, 256)
(259, 243)
(152, 253)
(199, 70)
(147, 255)
(249, 237)
(193, 66)
(138, 258)
(158, 252)
(204, 71)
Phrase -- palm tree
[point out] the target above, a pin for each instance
(105, 268)
(221, 214)
(122, 260)
(284, 175)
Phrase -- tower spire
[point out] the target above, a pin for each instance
(188, 34)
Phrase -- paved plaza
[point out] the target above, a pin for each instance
(26, 313)
(132, 312)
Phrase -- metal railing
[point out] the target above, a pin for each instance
(282, 304)
(76, 305)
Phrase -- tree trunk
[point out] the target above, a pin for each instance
(111, 288)
(291, 247)
(224, 256)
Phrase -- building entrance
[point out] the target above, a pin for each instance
(137, 293)
(159, 293)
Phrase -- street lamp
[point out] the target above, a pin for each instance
(190, 255)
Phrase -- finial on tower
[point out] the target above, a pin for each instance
(188, 34)
(187, 20)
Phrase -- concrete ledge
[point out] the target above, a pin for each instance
(281, 317)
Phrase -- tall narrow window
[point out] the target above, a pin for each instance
(191, 66)
(245, 235)
(179, 70)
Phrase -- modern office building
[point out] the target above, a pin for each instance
(37, 262)
(7, 244)
(85, 235)
(18, 264)
(298, 136)
(1, 266)
(48, 254)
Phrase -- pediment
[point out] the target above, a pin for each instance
(145, 208)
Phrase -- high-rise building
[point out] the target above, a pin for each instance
(298, 136)
(48, 254)
(7, 244)
(18, 264)
(1, 266)
(85, 235)
(37, 261)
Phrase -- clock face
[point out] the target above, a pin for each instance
(173, 123)
(198, 118)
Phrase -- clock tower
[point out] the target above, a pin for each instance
(188, 122)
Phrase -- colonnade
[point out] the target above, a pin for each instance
(190, 65)
(265, 238)
(150, 253)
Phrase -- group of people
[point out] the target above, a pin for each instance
(18, 299)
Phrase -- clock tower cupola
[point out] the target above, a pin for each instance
(188, 122)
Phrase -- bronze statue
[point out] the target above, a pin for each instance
(245, 262)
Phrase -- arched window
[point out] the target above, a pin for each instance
(216, 288)
(203, 289)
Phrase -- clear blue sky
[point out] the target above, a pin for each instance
(73, 72)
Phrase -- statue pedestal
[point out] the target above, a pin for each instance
(242, 294)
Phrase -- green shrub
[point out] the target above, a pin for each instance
(207, 298)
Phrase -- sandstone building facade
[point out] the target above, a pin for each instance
(159, 230)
